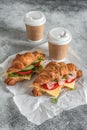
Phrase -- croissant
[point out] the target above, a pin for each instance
(56, 73)
(24, 66)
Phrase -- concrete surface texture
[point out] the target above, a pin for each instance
(69, 14)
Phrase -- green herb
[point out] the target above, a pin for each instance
(70, 74)
(73, 88)
(40, 59)
(13, 75)
(64, 77)
(38, 68)
(61, 66)
(17, 75)
(56, 80)
(54, 100)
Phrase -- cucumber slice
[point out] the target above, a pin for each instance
(36, 61)
(39, 60)
(30, 67)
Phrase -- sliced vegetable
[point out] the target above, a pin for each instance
(52, 88)
(54, 100)
(30, 67)
(64, 77)
(70, 81)
(24, 72)
(61, 66)
(70, 74)
(13, 75)
(39, 60)
(56, 80)
(38, 68)
(36, 64)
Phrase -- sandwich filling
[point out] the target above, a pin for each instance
(54, 87)
(28, 71)
(62, 81)
(54, 77)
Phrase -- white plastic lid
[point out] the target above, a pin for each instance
(59, 36)
(34, 18)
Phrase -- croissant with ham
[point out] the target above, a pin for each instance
(54, 77)
(24, 66)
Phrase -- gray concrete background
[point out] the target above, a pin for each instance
(69, 14)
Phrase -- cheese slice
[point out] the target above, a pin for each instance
(57, 91)
(54, 92)
(70, 85)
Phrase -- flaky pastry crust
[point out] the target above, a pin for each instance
(20, 62)
(54, 70)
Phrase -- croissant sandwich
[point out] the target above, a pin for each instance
(24, 66)
(54, 77)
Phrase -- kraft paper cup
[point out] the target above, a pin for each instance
(58, 43)
(34, 22)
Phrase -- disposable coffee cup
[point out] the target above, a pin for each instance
(58, 43)
(34, 22)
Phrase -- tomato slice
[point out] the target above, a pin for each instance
(70, 81)
(24, 72)
(54, 87)
(37, 64)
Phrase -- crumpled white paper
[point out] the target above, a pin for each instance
(39, 109)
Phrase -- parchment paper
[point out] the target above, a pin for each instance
(39, 109)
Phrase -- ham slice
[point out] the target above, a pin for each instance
(61, 80)
(51, 84)
(71, 76)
